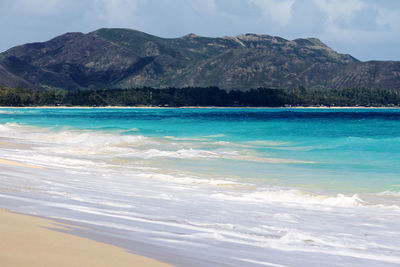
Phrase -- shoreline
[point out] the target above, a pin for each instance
(35, 241)
(194, 107)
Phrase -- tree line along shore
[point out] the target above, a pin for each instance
(198, 96)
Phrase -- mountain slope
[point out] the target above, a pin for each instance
(122, 58)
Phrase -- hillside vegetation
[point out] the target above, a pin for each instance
(123, 58)
(210, 96)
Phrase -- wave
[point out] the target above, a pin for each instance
(183, 154)
(389, 193)
(68, 137)
(90, 150)
(185, 179)
(185, 138)
(6, 112)
(294, 196)
(210, 154)
(87, 142)
(215, 136)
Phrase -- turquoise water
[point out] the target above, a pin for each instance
(350, 150)
(229, 187)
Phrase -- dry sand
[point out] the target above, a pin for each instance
(29, 241)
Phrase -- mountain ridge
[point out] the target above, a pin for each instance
(124, 58)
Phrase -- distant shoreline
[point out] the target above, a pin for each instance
(194, 107)
(198, 97)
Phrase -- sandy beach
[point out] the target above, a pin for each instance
(33, 241)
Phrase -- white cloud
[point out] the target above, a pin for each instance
(388, 17)
(340, 26)
(208, 6)
(278, 10)
(39, 7)
(344, 23)
(119, 13)
(339, 9)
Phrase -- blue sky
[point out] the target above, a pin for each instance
(366, 29)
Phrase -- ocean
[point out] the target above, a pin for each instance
(213, 186)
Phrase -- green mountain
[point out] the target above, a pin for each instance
(123, 58)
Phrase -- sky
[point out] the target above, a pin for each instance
(366, 29)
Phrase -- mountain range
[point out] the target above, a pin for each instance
(124, 58)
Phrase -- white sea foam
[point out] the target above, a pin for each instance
(185, 138)
(185, 179)
(293, 196)
(6, 112)
(85, 142)
(263, 263)
(183, 154)
(389, 193)
(215, 135)
(68, 137)
(9, 127)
